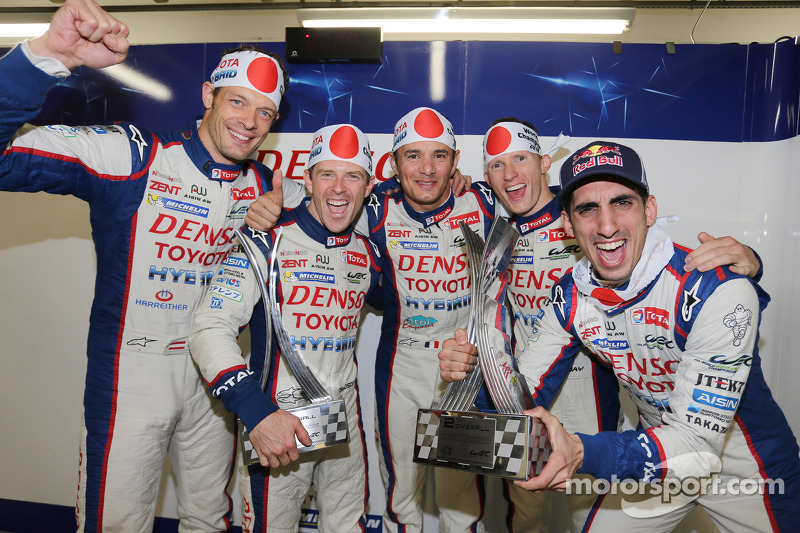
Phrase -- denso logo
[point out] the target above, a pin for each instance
(354, 258)
(243, 194)
(650, 315)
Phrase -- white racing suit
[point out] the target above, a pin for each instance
(163, 215)
(686, 350)
(587, 401)
(425, 295)
(323, 281)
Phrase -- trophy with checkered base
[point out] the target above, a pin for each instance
(325, 419)
(507, 443)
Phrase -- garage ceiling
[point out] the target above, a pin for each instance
(40, 6)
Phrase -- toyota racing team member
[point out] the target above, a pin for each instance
(325, 271)
(683, 344)
(158, 247)
(425, 293)
(517, 169)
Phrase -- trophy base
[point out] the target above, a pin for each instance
(326, 424)
(483, 443)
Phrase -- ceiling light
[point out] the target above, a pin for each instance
(473, 20)
(22, 31)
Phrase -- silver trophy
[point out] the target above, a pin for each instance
(325, 419)
(506, 443)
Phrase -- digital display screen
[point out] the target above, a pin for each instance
(320, 45)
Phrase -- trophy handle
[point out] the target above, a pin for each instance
(262, 284)
(302, 373)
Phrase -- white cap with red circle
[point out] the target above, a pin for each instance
(423, 124)
(253, 70)
(506, 137)
(341, 142)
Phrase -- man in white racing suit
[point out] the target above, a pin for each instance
(516, 169)
(163, 209)
(425, 294)
(684, 346)
(325, 272)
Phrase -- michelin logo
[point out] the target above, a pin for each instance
(177, 205)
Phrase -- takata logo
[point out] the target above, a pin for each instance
(164, 295)
(354, 258)
(650, 315)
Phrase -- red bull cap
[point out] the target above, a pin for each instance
(602, 158)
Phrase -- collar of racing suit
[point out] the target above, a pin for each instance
(550, 212)
(316, 230)
(429, 218)
(197, 152)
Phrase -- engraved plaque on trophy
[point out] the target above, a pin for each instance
(506, 443)
(325, 419)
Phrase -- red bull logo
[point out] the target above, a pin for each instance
(595, 150)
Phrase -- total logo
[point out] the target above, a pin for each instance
(551, 235)
(164, 295)
(650, 315)
(223, 174)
